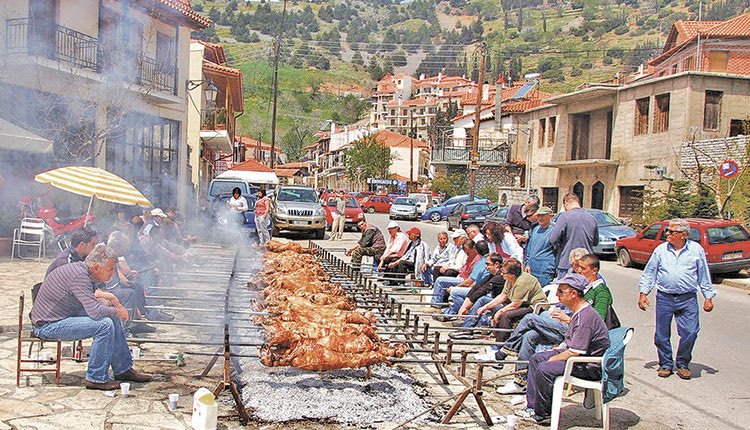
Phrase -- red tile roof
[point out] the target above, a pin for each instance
(392, 139)
(285, 172)
(214, 52)
(522, 105)
(251, 143)
(684, 33)
(293, 165)
(186, 12)
(737, 26)
(251, 166)
(398, 177)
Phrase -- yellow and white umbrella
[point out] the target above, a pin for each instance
(93, 181)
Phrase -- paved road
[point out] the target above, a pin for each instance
(717, 396)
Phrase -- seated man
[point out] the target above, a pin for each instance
(549, 327)
(414, 257)
(371, 243)
(82, 241)
(586, 335)
(442, 255)
(482, 293)
(443, 283)
(396, 245)
(68, 308)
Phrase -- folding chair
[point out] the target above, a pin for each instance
(602, 409)
(36, 363)
(31, 233)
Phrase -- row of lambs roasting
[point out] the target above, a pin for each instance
(313, 324)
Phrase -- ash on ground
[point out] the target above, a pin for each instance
(282, 394)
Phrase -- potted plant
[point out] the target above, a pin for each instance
(8, 222)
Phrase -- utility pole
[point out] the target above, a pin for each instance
(411, 149)
(474, 154)
(277, 48)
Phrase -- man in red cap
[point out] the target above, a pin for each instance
(414, 256)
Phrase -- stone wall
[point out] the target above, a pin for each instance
(508, 196)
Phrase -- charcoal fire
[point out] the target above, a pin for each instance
(314, 325)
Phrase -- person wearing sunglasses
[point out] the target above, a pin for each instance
(587, 335)
(677, 269)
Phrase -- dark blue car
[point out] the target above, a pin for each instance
(226, 226)
(440, 212)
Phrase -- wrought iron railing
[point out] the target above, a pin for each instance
(157, 75)
(69, 46)
(460, 154)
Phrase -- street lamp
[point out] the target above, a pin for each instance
(210, 92)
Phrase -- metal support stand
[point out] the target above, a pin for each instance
(476, 390)
(227, 383)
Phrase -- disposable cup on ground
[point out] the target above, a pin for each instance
(135, 352)
(125, 389)
(511, 422)
(173, 401)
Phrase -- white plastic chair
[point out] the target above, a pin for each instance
(602, 409)
(31, 233)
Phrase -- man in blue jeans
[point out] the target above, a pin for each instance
(68, 308)
(677, 269)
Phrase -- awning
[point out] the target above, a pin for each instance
(15, 138)
(218, 140)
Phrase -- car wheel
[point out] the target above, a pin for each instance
(390, 216)
(435, 217)
(320, 234)
(623, 257)
(371, 210)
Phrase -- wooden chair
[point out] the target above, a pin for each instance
(36, 363)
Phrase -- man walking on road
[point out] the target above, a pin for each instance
(574, 228)
(677, 269)
(339, 216)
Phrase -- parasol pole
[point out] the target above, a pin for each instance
(86, 220)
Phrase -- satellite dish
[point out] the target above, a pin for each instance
(531, 76)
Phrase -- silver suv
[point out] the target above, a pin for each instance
(297, 208)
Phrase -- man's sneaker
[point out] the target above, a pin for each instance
(444, 318)
(431, 309)
(540, 420)
(664, 372)
(157, 315)
(462, 334)
(511, 388)
(132, 375)
(487, 356)
(141, 328)
(527, 413)
(684, 373)
(104, 386)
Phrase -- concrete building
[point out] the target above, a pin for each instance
(105, 81)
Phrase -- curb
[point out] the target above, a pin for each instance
(737, 283)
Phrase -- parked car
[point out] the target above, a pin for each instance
(727, 244)
(297, 208)
(498, 214)
(468, 213)
(439, 212)
(372, 204)
(404, 207)
(228, 226)
(362, 195)
(352, 211)
(611, 229)
(423, 201)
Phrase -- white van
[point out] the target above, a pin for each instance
(423, 201)
(248, 182)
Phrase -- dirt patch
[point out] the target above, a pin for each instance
(448, 22)
(342, 89)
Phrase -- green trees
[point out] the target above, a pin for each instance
(368, 159)
(678, 201)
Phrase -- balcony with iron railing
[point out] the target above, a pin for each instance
(215, 119)
(490, 152)
(80, 50)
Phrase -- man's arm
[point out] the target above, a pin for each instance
(497, 301)
(648, 279)
(563, 356)
(557, 232)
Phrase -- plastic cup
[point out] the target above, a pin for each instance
(173, 401)
(511, 421)
(46, 355)
(125, 389)
(135, 352)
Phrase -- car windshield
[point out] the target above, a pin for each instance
(297, 194)
(404, 201)
(221, 187)
(471, 209)
(726, 234)
(223, 198)
(605, 219)
(351, 202)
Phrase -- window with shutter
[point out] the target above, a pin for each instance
(542, 131)
(641, 116)
(711, 110)
(661, 113)
(551, 130)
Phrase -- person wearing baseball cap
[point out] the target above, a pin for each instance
(414, 257)
(371, 243)
(459, 233)
(540, 254)
(587, 335)
(394, 248)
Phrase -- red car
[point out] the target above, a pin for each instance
(727, 244)
(352, 211)
(373, 204)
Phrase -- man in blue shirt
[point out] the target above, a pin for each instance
(677, 269)
(540, 254)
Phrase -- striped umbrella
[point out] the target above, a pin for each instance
(93, 181)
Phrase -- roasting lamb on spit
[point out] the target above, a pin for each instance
(314, 325)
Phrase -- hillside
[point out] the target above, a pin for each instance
(331, 48)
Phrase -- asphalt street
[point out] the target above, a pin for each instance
(717, 395)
